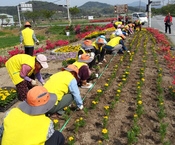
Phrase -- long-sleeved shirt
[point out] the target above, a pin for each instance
(25, 70)
(73, 88)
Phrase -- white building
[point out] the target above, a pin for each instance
(7, 21)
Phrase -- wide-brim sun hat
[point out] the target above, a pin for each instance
(100, 41)
(39, 101)
(71, 68)
(42, 59)
(87, 45)
(27, 24)
(85, 58)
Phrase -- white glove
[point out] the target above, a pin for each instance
(37, 42)
(81, 107)
(33, 82)
(92, 54)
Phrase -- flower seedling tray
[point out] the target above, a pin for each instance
(8, 97)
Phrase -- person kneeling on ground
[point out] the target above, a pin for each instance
(99, 44)
(23, 69)
(28, 125)
(64, 85)
(86, 47)
(84, 71)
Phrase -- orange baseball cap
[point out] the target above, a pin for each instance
(39, 101)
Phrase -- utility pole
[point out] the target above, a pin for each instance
(68, 14)
(149, 13)
(19, 18)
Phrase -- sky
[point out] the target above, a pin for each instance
(72, 3)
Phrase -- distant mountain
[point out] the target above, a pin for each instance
(137, 4)
(97, 5)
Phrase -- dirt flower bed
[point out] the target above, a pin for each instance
(130, 102)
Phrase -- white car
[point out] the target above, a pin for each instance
(140, 16)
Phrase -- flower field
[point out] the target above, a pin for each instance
(132, 101)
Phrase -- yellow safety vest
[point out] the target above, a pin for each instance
(81, 50)
(23, 129)
(58, 84)
(96, 46)
(27, 37)
(14, 65)
(79, 64)
(114, 41)
(118, 23)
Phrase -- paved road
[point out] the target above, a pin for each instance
(158, 23)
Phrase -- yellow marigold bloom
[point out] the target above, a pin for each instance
(81, 118)
(123, 76)
(99, 141)
(106, 85)
(104, 131)
(160, 75)
(106, 107)
(119, 84)
(65, 108)
(143, 79)
(99, 91)
(71, 138)
(161, 103)
(138, 83)
(94, 102)
(105, 117)
(123, 79)
(77, 120)
(117, 95)
(127, 72)
(55, 121)
(138, 87)
(139, 102)
(118, 91)
(135, 115)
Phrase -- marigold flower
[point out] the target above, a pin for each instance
(99, 91)
(135, 115)
(106, 85)
(104, 131)
(139, 102)
(161, 103)
(65, 108)
(118, 91)
(106, 107)
(99, 141)
(81, 118)
(71, 138)
(77, 120)
(105, 117)
(55, 121)
(143, 79)
(94, 102)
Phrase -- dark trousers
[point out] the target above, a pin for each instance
(65, 101)
(100, 54)
(138, 26)
(22, 88)
(56, 139)
(29, 50)
(167, 27)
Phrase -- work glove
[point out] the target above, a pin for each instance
(33, 82)
(80, 108)
(37, 42)
(92, 54)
